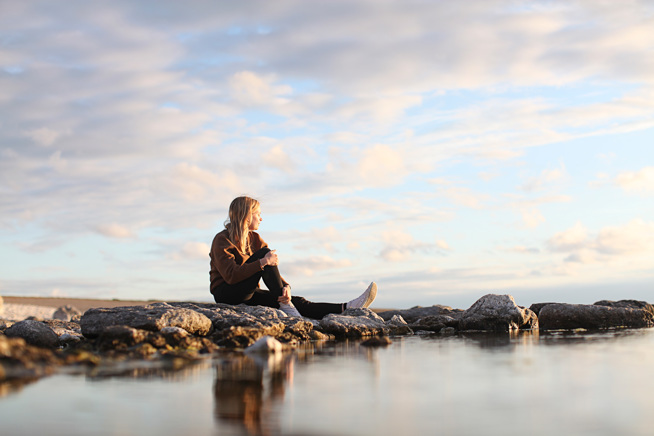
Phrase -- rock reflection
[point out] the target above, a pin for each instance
(249, 390)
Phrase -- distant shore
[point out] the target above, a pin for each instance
(83, 304)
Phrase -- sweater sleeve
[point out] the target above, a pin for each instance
(231, 268)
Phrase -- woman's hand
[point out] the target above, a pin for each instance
(286, 295)
(270, 259)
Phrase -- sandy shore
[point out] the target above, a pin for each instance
(18, 308)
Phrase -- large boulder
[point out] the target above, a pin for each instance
(498, 313)
(34, 333)
(152, 317)
(224, 316)
(590, 316)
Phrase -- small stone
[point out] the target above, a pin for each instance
(67, 313)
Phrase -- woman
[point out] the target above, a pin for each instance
(240, 259)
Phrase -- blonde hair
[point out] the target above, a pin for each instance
(238, 223)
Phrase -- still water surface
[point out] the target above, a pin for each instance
(579, 383)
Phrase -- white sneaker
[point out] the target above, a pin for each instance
(289, 309)
(365, 299)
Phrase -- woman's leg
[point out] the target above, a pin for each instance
(244, 291)
(315, 310)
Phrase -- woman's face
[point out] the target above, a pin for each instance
(254, 219)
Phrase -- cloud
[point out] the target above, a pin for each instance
(574, 238)
(400, 246)
(641, 181)
(465, 197)
(115, 230)
(611, 242)
(545, 178)
(192, 251)
(250, 89)
(309, 266)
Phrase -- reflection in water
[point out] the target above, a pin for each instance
(249, 390)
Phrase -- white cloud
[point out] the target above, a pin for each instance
(114, 230)
(465, 197)
(641, 181)
(311, 265)
(192, 251)
(545, 178)
(574, 238)
(612, 242)
(44, 136)
(249, 89)
(381, 165)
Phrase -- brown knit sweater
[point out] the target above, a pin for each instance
(228, 262)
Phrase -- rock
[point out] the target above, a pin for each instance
(436, 323)
(121, 336)
(498, 313)
(632, 304)
(67, 313)
(536, 307)
(417, 312)
(377, 341)
(397, 326)
(224, 316)
(265, 345)
(152, 317)
(354, 323)
(34, 333)
(589, 316)
(1, 304)
(19, 360)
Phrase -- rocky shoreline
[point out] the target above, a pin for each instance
(177, 334)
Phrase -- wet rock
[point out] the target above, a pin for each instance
(354, 323)
(631, 304)
(226, 315)
(436, 323)
(589, 316)
(239, 336)
(121, 337)
(497, 313)
(67, 313)
(536, 307)
(34, 333)
(265, 345)
(398, 326)
(377, 341)
(415, 313)
(152, 317)
(19, 360)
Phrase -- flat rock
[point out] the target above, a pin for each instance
(34, 333)
(631, 304)
(415, 313)
(152, 317)
(354, 323)
(497, 313)
(590, 316)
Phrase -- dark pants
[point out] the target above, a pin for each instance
(248, 292)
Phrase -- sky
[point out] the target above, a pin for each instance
(445, 150)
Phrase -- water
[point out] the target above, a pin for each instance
(549, 384)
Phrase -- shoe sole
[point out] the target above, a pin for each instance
(372, 294)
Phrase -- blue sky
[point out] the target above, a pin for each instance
(445, 150)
